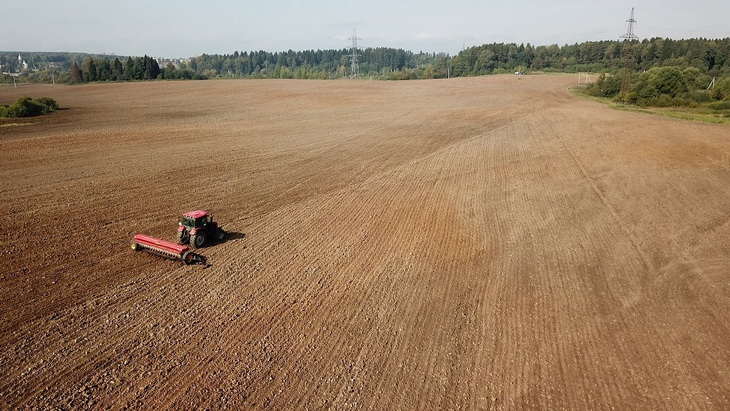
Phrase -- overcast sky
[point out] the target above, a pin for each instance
(186, 28)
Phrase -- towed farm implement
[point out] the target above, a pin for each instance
(166, 249)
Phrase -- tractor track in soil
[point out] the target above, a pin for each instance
(481, 243)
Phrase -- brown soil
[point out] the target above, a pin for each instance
(468, 243)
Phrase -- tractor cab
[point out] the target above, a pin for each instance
(196, 219)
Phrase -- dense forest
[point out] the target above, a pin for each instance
(711, 57)
(382, 63)
(699, 62)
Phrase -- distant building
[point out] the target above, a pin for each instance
(22, 62)
(163, 62)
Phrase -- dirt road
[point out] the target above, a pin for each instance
(469, 243)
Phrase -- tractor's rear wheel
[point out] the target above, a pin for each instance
(197, 240)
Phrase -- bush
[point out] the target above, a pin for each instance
(27, 107)
(720, 105)
(662, 100)
(694, 79)
(24, 107)
(50, 103)
(605, 86)
(660, 81)
(722, 89)
(625, 98)
(701, 96)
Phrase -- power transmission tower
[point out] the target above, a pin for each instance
(355, 67)
(630, 23)
(627, 57)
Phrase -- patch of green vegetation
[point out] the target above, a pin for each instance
(720, 105)
(28, 107)
(716, 113)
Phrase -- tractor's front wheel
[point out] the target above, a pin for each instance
(197, 240)
(220, 235)
(181, 237)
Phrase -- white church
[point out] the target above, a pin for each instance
(22, 62)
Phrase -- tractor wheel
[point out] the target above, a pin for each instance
(220, 235)
(197, 240)
(181, 237)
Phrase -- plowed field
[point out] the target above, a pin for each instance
(472, 243)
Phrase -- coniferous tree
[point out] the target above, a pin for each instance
(117, 69)
(133, 70)
(89, 69)
(75, 73)
(105, 70)
(150, 68)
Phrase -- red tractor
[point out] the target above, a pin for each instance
(197, 227)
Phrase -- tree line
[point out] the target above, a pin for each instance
(378, 62)
(74, 68)
(308, 64)
(138, 68)
(710, 57)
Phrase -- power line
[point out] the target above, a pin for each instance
(687, 30)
